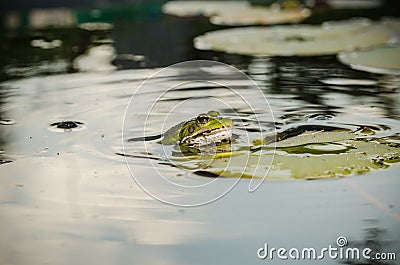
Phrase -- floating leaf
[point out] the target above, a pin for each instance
(385, 60)
(362, 157)
(303, 40)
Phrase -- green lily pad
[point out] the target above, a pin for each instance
(303, 40)
(385, 60)
(307, 156)
(360, 158)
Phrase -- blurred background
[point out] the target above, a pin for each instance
(46, 37)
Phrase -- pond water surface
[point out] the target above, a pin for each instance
(67, 195)
(68, 198)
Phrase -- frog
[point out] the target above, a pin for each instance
(205, 129)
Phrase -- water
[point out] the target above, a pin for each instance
(67, 197)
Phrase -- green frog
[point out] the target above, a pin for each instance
(205, 129)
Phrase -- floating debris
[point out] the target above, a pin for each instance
(385, 60)
(302, 40)
(260, 16)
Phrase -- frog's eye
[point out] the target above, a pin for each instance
(202, 119)
(190, 129)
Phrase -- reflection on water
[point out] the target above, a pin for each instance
(45, 51)
(378, 240)
(301, 90)
(96, 59)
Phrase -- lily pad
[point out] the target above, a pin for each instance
(308, 156)
(361, 158)
(259, 16)
(385, 60)
(206, 8)
(303, 40)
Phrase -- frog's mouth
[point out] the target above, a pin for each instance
(207, 136)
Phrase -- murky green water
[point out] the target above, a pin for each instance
(67, 195)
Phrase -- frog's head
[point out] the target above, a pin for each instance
(206, 129)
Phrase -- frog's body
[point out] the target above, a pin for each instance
(205, 129)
